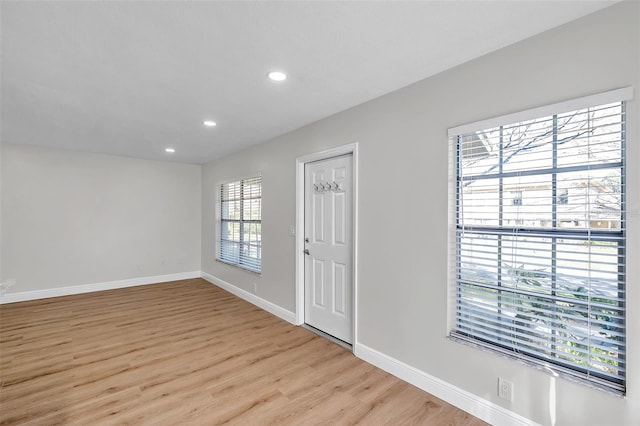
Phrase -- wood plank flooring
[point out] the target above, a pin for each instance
(189, 353)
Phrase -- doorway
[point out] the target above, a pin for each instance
(326, 229)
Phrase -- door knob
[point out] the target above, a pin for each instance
(306, 251)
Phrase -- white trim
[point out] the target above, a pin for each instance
(483, 409)
(352, 149)
(251, 298)
(451, 240)
(616, 95)
(89, 288)
(473, 404)
(247, 177)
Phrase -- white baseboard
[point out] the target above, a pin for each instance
(88, 288)
(252, 298)
(480, 408)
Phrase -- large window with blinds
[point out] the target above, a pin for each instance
(240, 223)
(538, 240)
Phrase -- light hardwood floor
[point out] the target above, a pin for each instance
(189, 353)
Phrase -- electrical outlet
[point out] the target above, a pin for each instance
(505, 389)
(255, 288)
(6, 284)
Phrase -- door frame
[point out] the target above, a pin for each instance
(352, 149)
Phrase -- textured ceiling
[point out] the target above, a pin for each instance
(131, 78)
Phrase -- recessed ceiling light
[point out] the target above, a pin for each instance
(170, 150)
(209, 123)
(277, 76)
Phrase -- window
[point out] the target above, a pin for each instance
(516, 198)
(543, 280)
(563, 196)
(240, 207)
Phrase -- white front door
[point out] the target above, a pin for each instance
(328, 265)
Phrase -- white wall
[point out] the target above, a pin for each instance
(72, 218)
(402, 137)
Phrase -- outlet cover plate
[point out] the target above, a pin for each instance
(505, 389)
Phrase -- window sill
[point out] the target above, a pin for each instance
(244, 268)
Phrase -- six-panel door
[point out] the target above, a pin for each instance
(328, 229)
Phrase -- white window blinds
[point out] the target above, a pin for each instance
(540, 240)
(240, 223)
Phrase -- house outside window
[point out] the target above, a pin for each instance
(543, 281)
(240, 223)
(563, 197)
(516, 198)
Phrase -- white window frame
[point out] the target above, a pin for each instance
(250, 266)
(617, 95)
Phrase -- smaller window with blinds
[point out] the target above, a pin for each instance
(240, 223)
(538, 237)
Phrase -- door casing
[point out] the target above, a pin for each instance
(299, 257)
